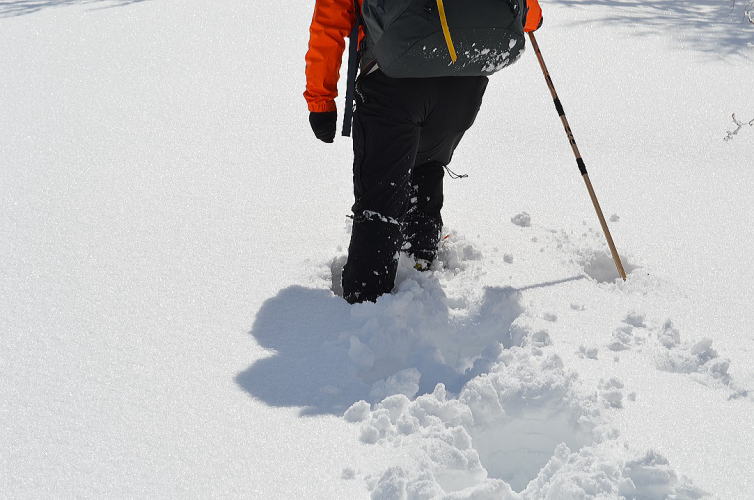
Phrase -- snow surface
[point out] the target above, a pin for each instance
(162, 197)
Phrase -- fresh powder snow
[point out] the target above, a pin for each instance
(172, 237)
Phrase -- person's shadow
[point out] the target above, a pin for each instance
(311, 365)
(307, 368)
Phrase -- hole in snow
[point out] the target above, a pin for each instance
(522, 411)
(516, 448)
(599, 266)
(508, 424)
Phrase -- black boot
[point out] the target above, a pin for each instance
(372, 258)
(423, 223)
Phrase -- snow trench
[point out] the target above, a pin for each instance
(470, 393)
(455, 376)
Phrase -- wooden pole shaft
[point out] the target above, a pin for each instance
(605, 229)
(579, 159)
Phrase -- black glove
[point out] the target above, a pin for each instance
(323, 124)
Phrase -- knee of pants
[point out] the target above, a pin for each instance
(384, 158)
(389, 203)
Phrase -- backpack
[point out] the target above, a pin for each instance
(430, 38)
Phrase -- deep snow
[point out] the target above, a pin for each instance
(162, 199)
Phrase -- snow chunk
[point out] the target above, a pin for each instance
(404, 382)
(455, 251)
(357, 412)
(611, 393)
(540, 338)
(550, 317)
(588, 352)
(698, 358)
(348, 473)
(391, 486)
(522, 219)
(369, 434)
(652, 478)
(622, 338)
(635, 319)
(601, 472)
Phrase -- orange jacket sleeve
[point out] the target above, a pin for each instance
(331, 24)
(533, 16)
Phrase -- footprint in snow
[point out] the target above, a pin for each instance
(520, 432)
(698, 359)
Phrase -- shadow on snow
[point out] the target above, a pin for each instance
(714, 27)
(11, 8)
(318, 344)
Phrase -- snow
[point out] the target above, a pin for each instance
(171, 237)
(522, 219)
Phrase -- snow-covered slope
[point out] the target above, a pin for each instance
(162, 197)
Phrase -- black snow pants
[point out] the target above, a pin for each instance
(404, 133)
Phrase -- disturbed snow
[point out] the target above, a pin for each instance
(468, 383)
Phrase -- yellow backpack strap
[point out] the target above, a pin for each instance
(446, 31)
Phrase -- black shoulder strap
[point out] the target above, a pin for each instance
(353, 68)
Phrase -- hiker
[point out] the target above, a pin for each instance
(405, 129)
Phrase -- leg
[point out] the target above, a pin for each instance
(386, 139)
(455, 104)
(423, 224)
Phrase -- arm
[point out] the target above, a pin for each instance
(331, 24)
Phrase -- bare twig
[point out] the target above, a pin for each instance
(747, 11)
(739, 126)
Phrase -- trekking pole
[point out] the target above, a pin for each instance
(579, 159)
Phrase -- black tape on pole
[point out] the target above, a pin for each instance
(582, 165)
(559, 107)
